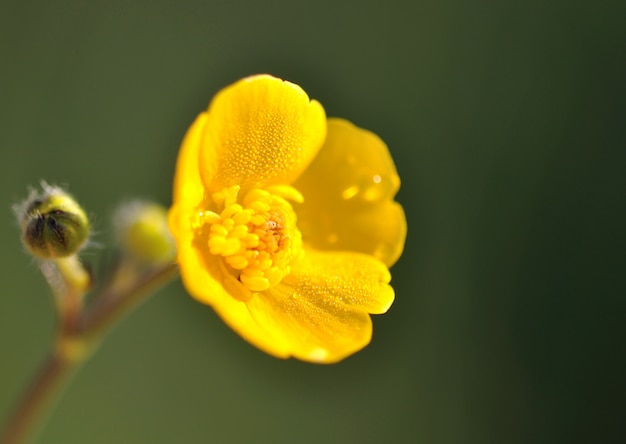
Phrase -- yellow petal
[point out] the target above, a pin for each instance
(204, 281)
(187, 182)
(319, 313)
(203, 274)
(348, 196)
(260, 131)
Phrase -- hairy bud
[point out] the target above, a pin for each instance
(53, 224)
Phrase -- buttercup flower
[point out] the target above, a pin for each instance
(285, 221)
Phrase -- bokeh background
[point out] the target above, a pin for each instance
(507, 124)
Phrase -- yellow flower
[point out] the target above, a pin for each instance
(285, 221)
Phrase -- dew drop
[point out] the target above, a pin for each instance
(350, 192)
(198, 220)
(382, 251)
(318, 354)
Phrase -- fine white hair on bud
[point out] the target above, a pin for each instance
(53, 224)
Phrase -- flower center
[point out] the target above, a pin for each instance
(257, 237)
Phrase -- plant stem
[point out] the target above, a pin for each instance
(45, 387)
(113, 303)
(76, 341)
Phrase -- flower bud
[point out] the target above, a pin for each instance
(143, 234)
(53, 224)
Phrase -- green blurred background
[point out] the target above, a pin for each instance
(507, 124)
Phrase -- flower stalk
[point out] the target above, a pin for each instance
(78, 334)
(50, 223)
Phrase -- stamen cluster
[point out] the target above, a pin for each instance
(257, 238)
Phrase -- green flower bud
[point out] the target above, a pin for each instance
(143, 234)
(53, 224)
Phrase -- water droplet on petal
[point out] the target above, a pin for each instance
(377, 187)
(350, 192)
(318, 354)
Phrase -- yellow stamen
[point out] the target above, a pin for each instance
(257, 236)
